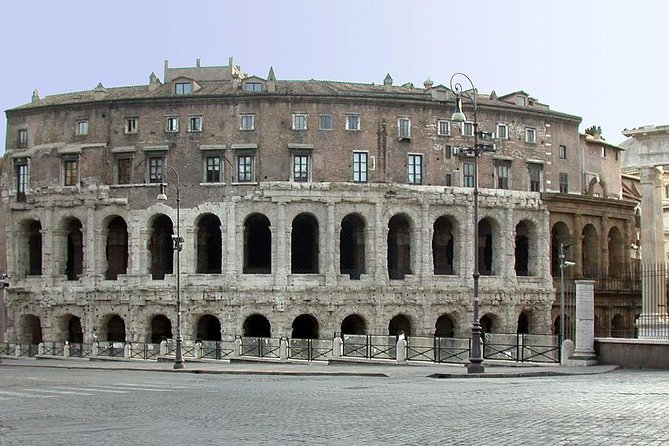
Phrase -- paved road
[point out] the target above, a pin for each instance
(46, 406)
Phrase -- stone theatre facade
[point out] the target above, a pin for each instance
(307, 208)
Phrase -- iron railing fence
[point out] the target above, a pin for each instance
(438, 349)
(141, 350)
(217, 349)
(51, 348)
(521, 347)
(310, 349)
(111, 349)
(261, 347)
(187, 348)
(29, 350)
(78, 350)
(4, 348)
(369, 346)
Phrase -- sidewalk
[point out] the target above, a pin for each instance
(410, 370)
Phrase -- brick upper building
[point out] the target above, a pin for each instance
(306, 207)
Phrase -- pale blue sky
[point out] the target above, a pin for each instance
(605, 61)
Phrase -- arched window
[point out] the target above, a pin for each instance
(399, 247)
(522, 250)
(352, 246)
(161, 247)
(305, 326)
(117, 248)
(75, 249)
(257, 245)
(442, 246)
(590, 251)
(209, 245)
(31, 329)
(75, 334)
(304, 245)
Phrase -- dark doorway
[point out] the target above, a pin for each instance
(161, 329)
(31, 329)
(523, 323)
(590, 253)
(209, 245)
(399, 247)
(209, 328)
(485, 248)
(444, 328)
(35, 248)
(161, 247)
(352, 246)
(116, 329)
(75, 250)
(353, 324)
(522, 251)
(442, 246)
(305, 326)
(257, 245)
(487, 325)
(256, 326)
(304, 245)
(398, 324)
(75, 334)
(117, 248)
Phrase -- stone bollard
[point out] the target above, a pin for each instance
(163, 348)
(237, 351)
(94, 349)
(566, 351)
(337, 347)
(66, 350)
(401, 351)
(197, 350)
(126, 351)
(283, 349)
(40, 349)
(17, 350)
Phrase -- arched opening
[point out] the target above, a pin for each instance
(33, 248)
(352, 246)
(31, 329)
(590, 251)
(75, 249)
(305, 326)
(257, 245)
(523, 326)
(616, 252)
(161, 329)
(304, 245)
(209, 245)
(161, 247)
(116, 329)
(487, 324)
(399, 247)
(444, 328)
(486, 250)
(256, 326)
(618, 328)
(559, 234)
(75, 334)
(117, 248)
(522, 250)
(442, 246)
(353, 324)
(209, 328)
(399, 324)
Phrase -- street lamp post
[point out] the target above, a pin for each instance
(177, 246)
(4, 283)
(475, 357)
(564, 263)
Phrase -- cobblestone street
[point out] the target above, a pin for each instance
(46, 406)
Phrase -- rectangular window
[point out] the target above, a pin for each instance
(212, 169)
(415, 169)
(21, 181)
(404, 128)
(502, 176)
(443, 128)
(325, 122)
(360, 168)
(352, 122)
(183, 88)
(448, 151)
(195, 124)
(299, 121)
(535, 177)
(468, 174)
(70, 172)
(530, 136)
(301, 168)
(172, 124)
(156, 169)
(520, 100)
(124, 170)
(23, 138)
(563, 152)
(448, 180)
(245, 168)
(502, 131)
(81, 127)
(564, 183)
(246, 121)
(467, 129)
(253, 87)
(603, 152)
(131, 125)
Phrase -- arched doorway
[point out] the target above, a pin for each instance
(304, 245)
(442, 246)
(33, 246)
(257, 245)
(209, 328)
(353, 324)
(523, 326)
(399, 247)
(522, 250)
(305, 326)
(74, 249)
(590, 251)
(75, 334)
(256, 326)
(31, 329)
(161, 247)
(352, 246)
(486, 251)
(399, 324)
(559, 234)
(116, 329)
(444, 327)
(209, 245)
(117, 248)
(161, 329)
(616, 253)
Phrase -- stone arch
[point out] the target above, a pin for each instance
(559, 234)
(444, 327)
(208, 328)
(31, 329)
(257, 245)
(304, 250)
(113, 329)
(616, 252)
(161, 246)
(256, 326)
(523, 325)
(352, 246)
(525, 255)
(70, 329)
(597, 187)
(399, 246)
(161, 329)
(354, 324)
(74, 248)
(30, 249)
(490, 249)
(489, 323)
(209, 244)
(443, 246)
(305, 326)
(590, 251)
(399, 323)
(116, 252)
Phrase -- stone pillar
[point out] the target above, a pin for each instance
(584, 352)
(379, 246)
(425, 252)
(280, 258)
(653, 322)
(328, 258)
(508, 245)
(93, 264)
(577, 245)
(231, 248)
(604, 248)
(337, 347)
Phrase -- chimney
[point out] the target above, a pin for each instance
(197, 63)
(271, 81)
(387, 82)
(154, 82)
